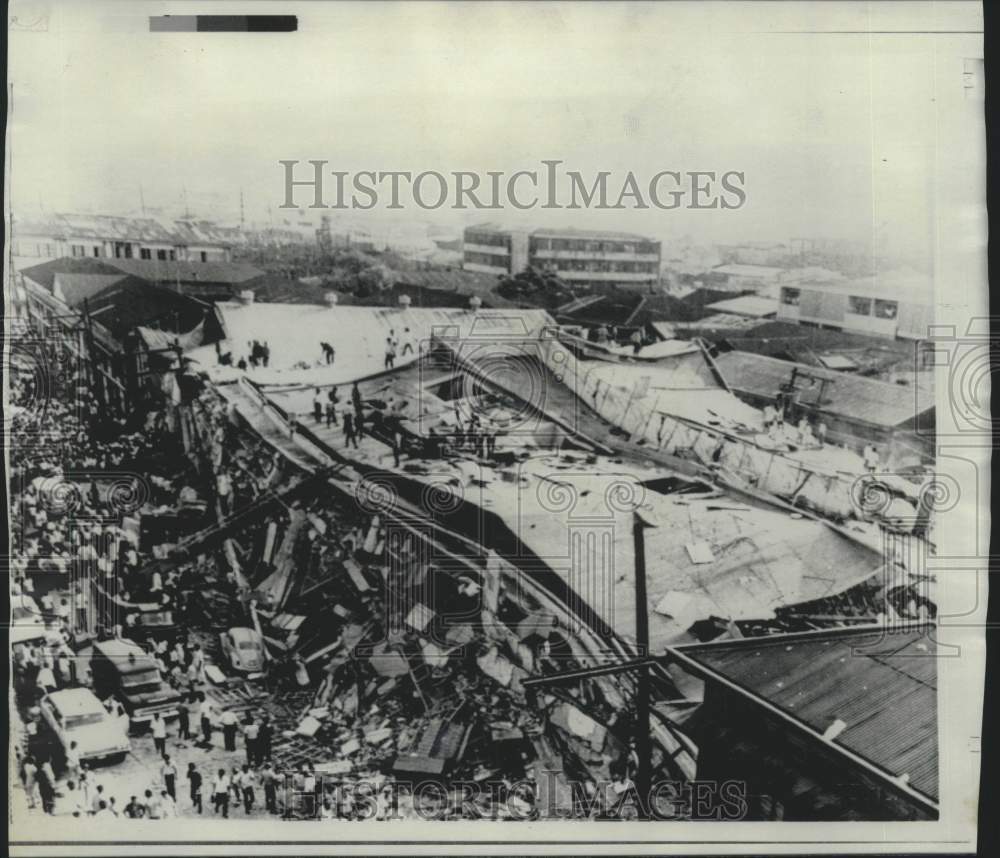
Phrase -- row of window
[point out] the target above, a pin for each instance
(601, 265)
(486, 259)
(586, 246)
(122, 250)
(857, 305)
(489, 239)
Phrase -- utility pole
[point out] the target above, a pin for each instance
(95, 372)
(241, 209)
(142, 201)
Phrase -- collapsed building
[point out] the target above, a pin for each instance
(465, 603)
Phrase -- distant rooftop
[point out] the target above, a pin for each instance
(568, 232)
(746, 305)
(740, 270)
(182, 231)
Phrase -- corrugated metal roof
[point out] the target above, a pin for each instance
(864, 399)
(882, 683)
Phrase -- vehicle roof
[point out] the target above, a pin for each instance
(75, 701)
(244, 633)
(121, 653)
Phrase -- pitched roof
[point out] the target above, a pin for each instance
(862, 399)
(74, 288)
(44, 274)
(882, 684)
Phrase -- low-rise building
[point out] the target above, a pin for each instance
(581, 258)
(897, 304)
(114, 237)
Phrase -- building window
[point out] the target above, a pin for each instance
(128, 251)
(97, 251)
(859, 306)
(886, 309)
(204, 256)
(173, 254)
(48, 250)
(790, 296)
(144, 253)
(161, 255)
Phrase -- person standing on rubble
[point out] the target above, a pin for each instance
(318, 407)
(349, 434)
(390, 352)
(331, 406)
(396, 433)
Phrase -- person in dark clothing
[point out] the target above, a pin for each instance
(396, 435)
(183, 721)
(329, 353)
(230, 725)
(264, 738)
(331, 406)
(349, 434)
(491, 443)
(194, 776)
(265, 353)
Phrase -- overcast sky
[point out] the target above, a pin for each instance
(836, 133)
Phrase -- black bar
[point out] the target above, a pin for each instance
(643, 746)
(223, 23)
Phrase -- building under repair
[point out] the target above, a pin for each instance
(487, 551)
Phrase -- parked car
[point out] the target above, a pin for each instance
(76, 715)
(243, 649)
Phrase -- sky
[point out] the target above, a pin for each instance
(837, 133)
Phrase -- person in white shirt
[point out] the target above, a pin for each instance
(73, 761)
(159, 728)
(220, 793)
(73, 801)
(102, 811)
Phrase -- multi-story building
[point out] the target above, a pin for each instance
(581, 258)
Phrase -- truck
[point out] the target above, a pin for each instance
(123, 670)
